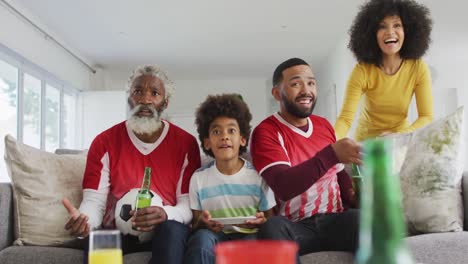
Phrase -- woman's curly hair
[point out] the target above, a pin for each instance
(224, 105)
(417, 26)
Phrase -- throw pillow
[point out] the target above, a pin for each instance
(400, 143)
(431, 177)
(40, 181)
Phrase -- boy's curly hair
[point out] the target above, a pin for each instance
(224, 105)
(417, 26)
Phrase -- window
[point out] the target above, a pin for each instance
(52, 118)
(35, 107)
(32, 111)
(8, 107)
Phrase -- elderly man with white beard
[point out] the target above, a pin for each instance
(115, 164)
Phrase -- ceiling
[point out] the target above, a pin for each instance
(199, 38)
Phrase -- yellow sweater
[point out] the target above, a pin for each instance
(387, 99)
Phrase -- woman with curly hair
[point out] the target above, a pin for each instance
(388, 39)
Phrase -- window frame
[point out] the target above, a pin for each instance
(25, 66)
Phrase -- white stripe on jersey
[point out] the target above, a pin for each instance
(310, 206)
(274, 164)
(104, 180)
(181, 176)
(281, 140)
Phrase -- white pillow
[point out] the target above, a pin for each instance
(40, 181)
(431, 176)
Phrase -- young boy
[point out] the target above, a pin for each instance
(229, 186)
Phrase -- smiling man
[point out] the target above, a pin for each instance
(116, 162)
(296, 153)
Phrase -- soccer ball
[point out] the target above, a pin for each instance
(123, 218)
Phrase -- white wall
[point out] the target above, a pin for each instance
(334, 73)
(22, 38)
(101, 110)
(190, 93)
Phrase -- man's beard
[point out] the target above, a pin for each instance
(145, 124)
(295, 110)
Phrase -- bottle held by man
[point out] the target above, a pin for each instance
(144, 195)
(357, 181)
(382, 227)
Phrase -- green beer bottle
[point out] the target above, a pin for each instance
(382, 227)
(144, 195)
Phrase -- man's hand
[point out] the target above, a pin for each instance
(78, 223)
(146, 219)
(347, 151)
(353, 202)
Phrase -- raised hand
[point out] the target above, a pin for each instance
(347, 151)
(78, 222)
(146, 219)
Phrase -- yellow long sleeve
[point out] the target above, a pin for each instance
(387, 99)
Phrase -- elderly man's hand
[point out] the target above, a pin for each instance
(146, 219)
(77, 224)
(347, 151)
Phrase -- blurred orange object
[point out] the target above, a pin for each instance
(256, 251)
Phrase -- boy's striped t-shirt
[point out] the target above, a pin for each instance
(241, 194)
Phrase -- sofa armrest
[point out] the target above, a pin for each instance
(6, 215)
(465, 198)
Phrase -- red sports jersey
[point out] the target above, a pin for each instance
(275, 141)
(117, 158)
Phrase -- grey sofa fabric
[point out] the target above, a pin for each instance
(429, 248)
(137, 258)
(70, 151)
(37, 255)
(465, 198)
(448, 248)
(328, 257)
(6, 215)
(320, 257)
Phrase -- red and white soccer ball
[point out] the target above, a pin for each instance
(123, 219)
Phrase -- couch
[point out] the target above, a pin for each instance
(447, 248)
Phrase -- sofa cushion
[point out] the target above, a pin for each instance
(431, 177)
(40, 255)
(6, 215)
(329, 257)
(465, 197)
(40, 181)
(439, 248)
(137, 258)
(64, 151)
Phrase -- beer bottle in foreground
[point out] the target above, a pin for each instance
(382, 227)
